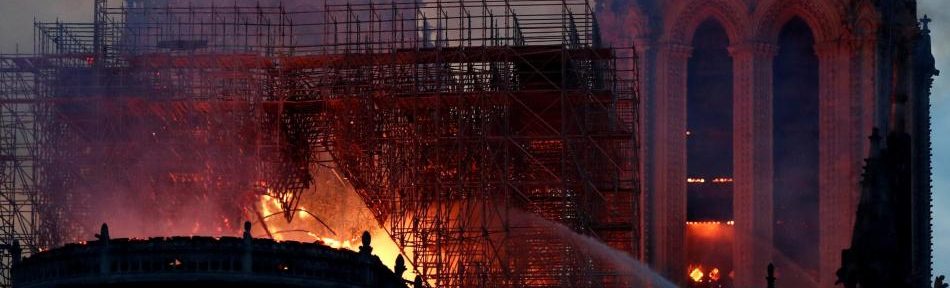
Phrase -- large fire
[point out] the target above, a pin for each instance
(331, 214)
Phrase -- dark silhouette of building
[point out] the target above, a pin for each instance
(203, 262)
(891, 246)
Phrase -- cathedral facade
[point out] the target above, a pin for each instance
(756, 118)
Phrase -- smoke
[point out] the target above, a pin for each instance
(619, 260)
(619, 21)
(150, 171)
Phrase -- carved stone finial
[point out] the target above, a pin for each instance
(925, 23)
(938, 282)
(418, 282)
(247, 259)
(103, 232)
(366, 248)
(16, 253)
(400, 266)
(247, 229)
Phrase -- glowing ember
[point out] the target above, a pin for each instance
(714, 274)
(345, 244)
(722, 180)
(710, 223)
(696, 274)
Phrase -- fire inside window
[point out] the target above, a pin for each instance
(710, 245)
(710, 232)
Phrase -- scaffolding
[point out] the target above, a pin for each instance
(467, 127)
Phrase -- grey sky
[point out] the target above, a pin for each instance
(16, 21)
(939, 10)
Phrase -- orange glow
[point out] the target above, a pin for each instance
(696, 274)
(722, 180)
(710, 223)
(714, 274)
(718, 180)
(710, 247)
(281, 230)
(710, 229)
(307, 228)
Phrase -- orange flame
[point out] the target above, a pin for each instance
(696, 274)
(303, 229)
(714, 274)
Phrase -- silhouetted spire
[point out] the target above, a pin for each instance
(925, 24)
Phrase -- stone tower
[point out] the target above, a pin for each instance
(772, 100)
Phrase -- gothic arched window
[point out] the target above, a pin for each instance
(795, 116)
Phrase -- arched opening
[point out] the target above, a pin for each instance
(709, 157)
(796, 112)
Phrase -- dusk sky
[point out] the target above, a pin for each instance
(17, 16)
